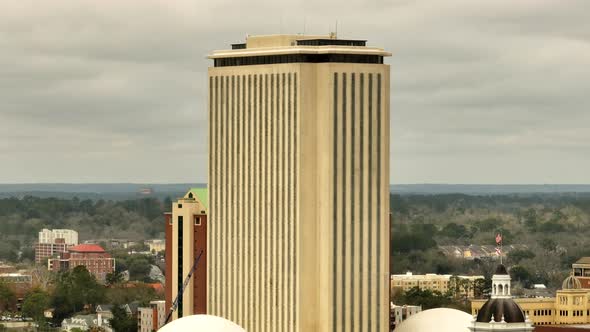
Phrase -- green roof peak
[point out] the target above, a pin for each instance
(202, 194)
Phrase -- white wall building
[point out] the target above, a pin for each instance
(49, 236)
(399, 313)
(151, 318)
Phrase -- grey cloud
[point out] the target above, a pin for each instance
(482, 92)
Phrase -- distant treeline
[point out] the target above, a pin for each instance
(22, 218)
(555, 228)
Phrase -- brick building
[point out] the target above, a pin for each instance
(43, 251)
(53, 243)
(186, 236)
(20, 284)
(92, 256)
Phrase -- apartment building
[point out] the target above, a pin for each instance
(434, 282)
(151, 318)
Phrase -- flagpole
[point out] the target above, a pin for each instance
(501, 247)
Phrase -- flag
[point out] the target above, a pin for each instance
(498, 251)
(498, 238)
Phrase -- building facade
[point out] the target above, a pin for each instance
(54, 243)
(50, 236)
(186, 237)
(436, 282)
(500, 312)
(43, 251)
(20, 284)
(571, 305)
(299, 184)
(151, 318)
(80, 322)
(93, 257)
(399, 313)
(581, 270)
(156, 245)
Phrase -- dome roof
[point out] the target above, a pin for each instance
(571, 282)
(203, 323)
(439, 320)
(506, 308)
(501, 269)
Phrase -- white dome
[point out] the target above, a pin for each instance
(439, 320)
(201, 323)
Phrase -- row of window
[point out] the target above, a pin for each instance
(331, 42)
(344, 179)
(316, 42)
(575, 313)
(545, 312)
(197, 220)
(267, 107)
(578, 272)
(577, 300)
(298, 58)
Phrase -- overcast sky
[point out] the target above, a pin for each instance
(114, 91)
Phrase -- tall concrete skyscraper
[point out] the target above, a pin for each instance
(298, 237)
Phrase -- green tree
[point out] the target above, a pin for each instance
(7, 297)
(28, 254)
(125, 294)
(530, 219)
(522, 275)
(551, 227)
(548, 244)
(114, 278)
(139, 268)
(427, 298)
(518, 255)
(454, 231)
(96, 329)
(35, 304)
(74, 290)
(121, 322)
(481, 287)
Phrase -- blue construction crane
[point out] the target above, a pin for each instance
(178, 298)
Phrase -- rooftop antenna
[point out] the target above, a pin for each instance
(336, 33)
(304, 21)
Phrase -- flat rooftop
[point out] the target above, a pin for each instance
(266, 45)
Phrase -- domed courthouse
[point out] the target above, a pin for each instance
(570, 306)
(500, 312)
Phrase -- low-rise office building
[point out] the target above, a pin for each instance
(98, 262)
(434, 282)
